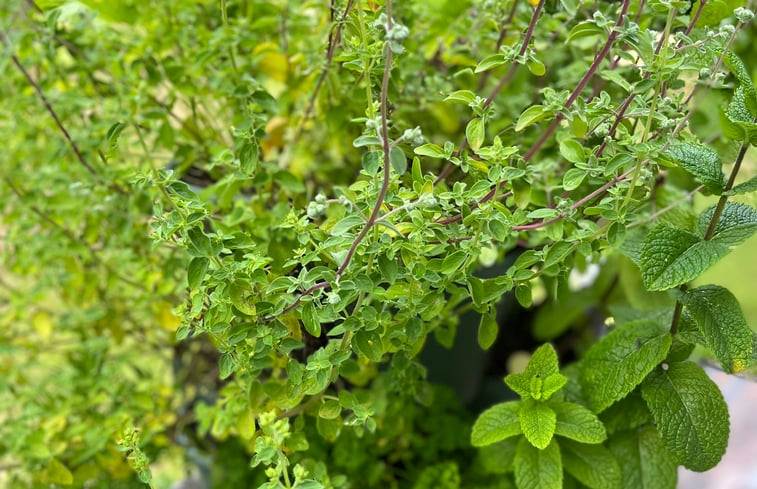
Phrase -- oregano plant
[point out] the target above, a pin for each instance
(301, 244)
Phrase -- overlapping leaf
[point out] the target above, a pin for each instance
(690, 414)
(616, 364)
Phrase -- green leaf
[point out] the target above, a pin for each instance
(702, 162)
(498, 458)
(538, 422)
(364, 140)
(310, 320)
(369, 344)
(57, 473)
(671, 256)
(593, 465)
(543, 389)
(628, 413)
(737, 223)
(431, 150)
(330, 409)
(745, 81)
(346, 224)
(226, 365)
(617, 363)
(744, 188)
(573, 178)
(196, 271)
(541, 365)
(453, 262)
(371, 162)
(474, 132)
(490, 62)
(578, 423)
(496, 423)
(718, 316)
(690, 414)
(487, 331)
(529, 116)
(199, 243)
(536, 67)
(398, 160)
(464, 96)
(646, 463)
(538, 469)
(558, 252)
(572, 151)
(584, 29)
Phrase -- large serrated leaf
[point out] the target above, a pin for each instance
(496, 423)
(745, 81)
(736, 224)
(647, 464)
(537, 420)
(671, 256)
(628, 413)
(690, 414)
(593, 465)
(538, 469)
(616, 364)
(702, 162)
(720, 320)
(578, 423)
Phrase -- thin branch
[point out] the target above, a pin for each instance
(584, 81)
(334, 37)
(667, 208)
(374, 217)
(728, 186)
(502, 83)
(49, 108)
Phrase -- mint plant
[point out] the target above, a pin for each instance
(234, 233)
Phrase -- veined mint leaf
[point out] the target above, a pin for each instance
(718, 316)
(737, 223)
(542, 389)
(616, 364)
(745, 81)
(626, 414)
(702, 162)
(537, 421)
(593, 465)
(671, 256)
(578, 423)
(690, 414)
(647, 464)
(496, 423)
(498, 458)
(542, 365)
(538, 469)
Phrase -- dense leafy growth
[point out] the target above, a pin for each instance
(236, 232)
